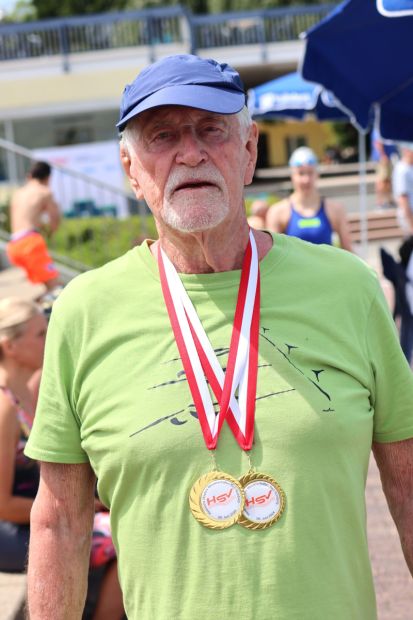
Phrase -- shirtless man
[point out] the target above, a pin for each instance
(29, 206)
(305, 214)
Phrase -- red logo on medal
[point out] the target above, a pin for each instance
(222, 499)
(261, 500)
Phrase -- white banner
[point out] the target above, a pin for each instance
(76, 197)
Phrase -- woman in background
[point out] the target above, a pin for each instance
(22, 338)
(305, 214)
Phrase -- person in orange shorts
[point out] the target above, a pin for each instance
(29, 206)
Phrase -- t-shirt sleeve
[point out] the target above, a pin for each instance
(55, 436)
(392, 396)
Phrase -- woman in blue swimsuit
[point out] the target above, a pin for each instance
(305, 214)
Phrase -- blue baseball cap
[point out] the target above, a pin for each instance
(185, 80)
(303, 156)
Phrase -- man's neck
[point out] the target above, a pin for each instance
(210, 251)
(15, 378)
(37, 182)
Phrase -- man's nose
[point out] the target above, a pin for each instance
(191, 150)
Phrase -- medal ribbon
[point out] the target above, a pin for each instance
(199, 359)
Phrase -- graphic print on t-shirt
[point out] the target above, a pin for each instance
(287, 354)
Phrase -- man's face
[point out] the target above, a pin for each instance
(190, 166)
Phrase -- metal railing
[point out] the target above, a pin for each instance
(85, 198)
(254, 27)
(93, 33)
(152, 28)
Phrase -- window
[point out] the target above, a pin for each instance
(73, 130)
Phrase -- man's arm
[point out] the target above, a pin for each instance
(395, 462)
(60, 539)
(338, 217)
(53, 213)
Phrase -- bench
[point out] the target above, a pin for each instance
(12, 596)
(381, 224)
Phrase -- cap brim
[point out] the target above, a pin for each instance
(218, 100)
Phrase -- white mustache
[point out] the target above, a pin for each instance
(184, 176)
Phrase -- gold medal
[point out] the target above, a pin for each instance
(217, 500)
(264, 501)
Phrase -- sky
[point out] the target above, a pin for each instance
(7, 5)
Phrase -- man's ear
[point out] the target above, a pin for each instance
(126, 164)
(252, 150)
(8, 346)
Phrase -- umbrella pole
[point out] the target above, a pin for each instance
(363, 195)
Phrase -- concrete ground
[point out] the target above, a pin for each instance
(13, 282)
(12, 596)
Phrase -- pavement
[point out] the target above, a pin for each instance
(13, 282)
(12, 596)
(394, 585)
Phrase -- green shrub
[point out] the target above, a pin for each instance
(96, 240)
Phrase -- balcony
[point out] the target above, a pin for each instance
(258, 36)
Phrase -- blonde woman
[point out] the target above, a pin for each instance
(22, 339)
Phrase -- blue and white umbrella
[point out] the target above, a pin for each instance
(363, 53)
(291, 96)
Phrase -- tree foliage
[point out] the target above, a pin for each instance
(222, 6)
(63, 8)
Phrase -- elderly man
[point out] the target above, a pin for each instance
(226, 411)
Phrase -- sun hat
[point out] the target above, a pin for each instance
(303, 156)
(185, 80)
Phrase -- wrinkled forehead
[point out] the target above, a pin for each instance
(181, 114)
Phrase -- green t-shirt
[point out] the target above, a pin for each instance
(331, 379)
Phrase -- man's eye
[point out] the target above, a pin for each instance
(213, 132)
(211, 129)
(163, 136)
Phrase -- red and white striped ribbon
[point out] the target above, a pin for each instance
(199, 359)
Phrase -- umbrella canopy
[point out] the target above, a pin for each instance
(365, 58)
(292, 96)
